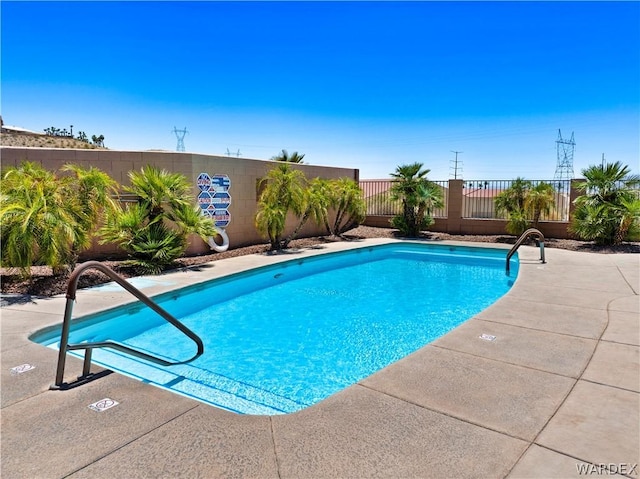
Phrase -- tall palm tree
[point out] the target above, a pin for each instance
(283, 191)
(609, 209)
(284, 155)
(418, 196)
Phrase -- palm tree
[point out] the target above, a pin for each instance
(512, 203)
(155, 230)
(540, 200)
(419, 197)
(94, 190)
(350, 208)
(317, 202)
(283, 191)
(295, 157)
(512, 198)
(48, 219)
(609, 209)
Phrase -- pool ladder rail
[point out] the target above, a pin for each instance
(530, 232)
(88, 347)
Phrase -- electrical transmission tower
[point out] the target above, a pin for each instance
(180, 136)
(564, 165)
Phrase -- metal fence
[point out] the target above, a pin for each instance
(478, 198)
(377, 196)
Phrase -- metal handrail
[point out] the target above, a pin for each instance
(88, 347)
(523, 237)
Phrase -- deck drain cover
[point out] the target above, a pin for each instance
(488, 337)
(23, 368)
(103, 404)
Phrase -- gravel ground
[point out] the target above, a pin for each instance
(44, 283)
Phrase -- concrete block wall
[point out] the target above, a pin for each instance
(244, 174)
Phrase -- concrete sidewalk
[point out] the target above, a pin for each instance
(556, 395)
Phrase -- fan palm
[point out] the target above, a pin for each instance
(284, 155)
(419, 197)
(154, 231)
(609, 209)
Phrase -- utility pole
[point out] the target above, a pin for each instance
(455, 167)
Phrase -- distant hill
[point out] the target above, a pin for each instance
(37, 140)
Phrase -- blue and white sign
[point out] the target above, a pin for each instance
(214, 198)
(204, 199)
(221, 218)
(204, 182)
(221, 182)
(221, 200)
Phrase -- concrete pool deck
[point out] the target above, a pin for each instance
(555, 395)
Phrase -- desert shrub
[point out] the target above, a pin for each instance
(47, 219)
(154, 231)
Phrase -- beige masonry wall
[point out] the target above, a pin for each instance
(244, 174)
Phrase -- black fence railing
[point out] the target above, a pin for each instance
(479, 199)
(377, 196)
(477, 202)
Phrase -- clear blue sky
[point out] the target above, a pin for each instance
(369, 85)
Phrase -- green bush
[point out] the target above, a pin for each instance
(609, 210)
(48, 219)
(419, 198)
(287, 191)
(154, 231)
(524, 204)
(283, 191)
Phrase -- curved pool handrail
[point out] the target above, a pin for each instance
(88, 347)
(524, 236)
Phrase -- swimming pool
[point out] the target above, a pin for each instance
(283, 337)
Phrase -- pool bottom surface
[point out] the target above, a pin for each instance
(304, 335)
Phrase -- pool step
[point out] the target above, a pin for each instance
(201, 384)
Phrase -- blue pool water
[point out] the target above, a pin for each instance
(280, 338)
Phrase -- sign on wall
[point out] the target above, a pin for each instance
(214, 198)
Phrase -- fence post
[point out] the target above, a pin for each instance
(573, 194)
(454, 207)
